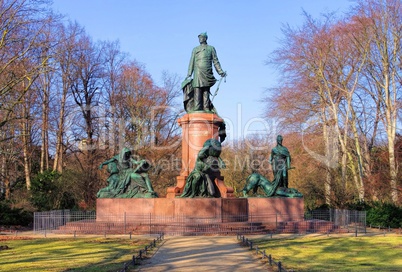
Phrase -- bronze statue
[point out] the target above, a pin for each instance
(197, 90)
(256, 180)
(128, 177)
(201, 181)
(280, 160)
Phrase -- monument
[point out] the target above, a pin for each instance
(200, 191)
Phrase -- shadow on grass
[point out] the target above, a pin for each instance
(371, 253)
(99, 254)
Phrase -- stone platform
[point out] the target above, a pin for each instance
(199, 216)
(218, 209)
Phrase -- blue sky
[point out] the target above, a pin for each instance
(161, 34)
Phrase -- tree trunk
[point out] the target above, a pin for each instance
(44, 154)
(361, 163)
(391, 102)
(328, 181)
(25, 143)
(6, 179)
(58, 159)
(392, 168)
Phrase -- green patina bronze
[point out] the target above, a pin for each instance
(128, 178)
(201, 181)
(271, 189)
(196, 90)
(280, 160)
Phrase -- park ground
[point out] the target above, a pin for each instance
(378, 250)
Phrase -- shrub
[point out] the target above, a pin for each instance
(384, 215)
(12, 216)
(44, 190)
(49, 191)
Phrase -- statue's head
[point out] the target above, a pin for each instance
(203, 37)
(143, 166)
(279, 139)
(125, 154)
(203, 34)
(214, 147)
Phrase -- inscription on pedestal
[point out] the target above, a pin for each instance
(199, 133)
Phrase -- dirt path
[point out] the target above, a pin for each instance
(205, 253)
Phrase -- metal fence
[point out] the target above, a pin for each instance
(351, 220)
(54, 220)
(85, 222)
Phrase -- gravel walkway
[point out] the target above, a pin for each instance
(202, 253)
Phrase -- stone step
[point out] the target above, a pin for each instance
(319, 226)
(170, 227)
(191, 228)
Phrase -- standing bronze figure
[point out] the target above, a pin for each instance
(197, 89)
(280, 160)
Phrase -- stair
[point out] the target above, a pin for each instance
(193, 229)
(168, 228)
(309, 226)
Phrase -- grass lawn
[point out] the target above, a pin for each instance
(301, 253)
(69, 254)
(322, 253)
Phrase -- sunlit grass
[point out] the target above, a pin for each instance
(83, 254)
(365, 253)
(301, 253)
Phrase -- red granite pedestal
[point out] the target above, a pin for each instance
(196, 129)
(169, 207)
(285, 209)
(219, 209)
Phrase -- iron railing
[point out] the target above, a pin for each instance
(324, 221)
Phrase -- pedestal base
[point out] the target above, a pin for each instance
(199, 216)
(217, 209)
(213, 208)
(285, 209)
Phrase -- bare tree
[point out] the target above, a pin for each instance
(383, 20)
(68, 36)
(23, 24)
(114, 61)
(301, 99)
(86, 79)
(323, 65)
